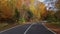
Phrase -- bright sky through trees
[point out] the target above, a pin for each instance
(41, 0)
(50, 4)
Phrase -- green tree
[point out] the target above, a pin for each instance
(17, 15)
(57, 14)
(29, 15)
(51, 18)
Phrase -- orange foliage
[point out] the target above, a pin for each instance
(42, 8)
(7, 10)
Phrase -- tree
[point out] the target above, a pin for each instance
(29, 15)
(17, 14)
(49, 17)
(8, 8)
(57, 14)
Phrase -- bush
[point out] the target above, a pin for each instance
(57, 14)
(51, 18)
(22, 19)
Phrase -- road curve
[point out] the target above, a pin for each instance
(34, 28)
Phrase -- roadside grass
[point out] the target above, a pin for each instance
(54, 26)
(57, 24)
(4, 26)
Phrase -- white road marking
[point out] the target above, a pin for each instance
(9, 29)
(29, 28)
(48, 28)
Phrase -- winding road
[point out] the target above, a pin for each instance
(33, 28)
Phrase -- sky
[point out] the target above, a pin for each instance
(50, 4)
(41, 0)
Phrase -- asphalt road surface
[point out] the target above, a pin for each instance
(34, 28)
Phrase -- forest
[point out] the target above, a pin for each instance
(21, 11)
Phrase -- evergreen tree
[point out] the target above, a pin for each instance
(30, 14)
(17, 15)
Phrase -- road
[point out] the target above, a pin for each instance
(34, 28)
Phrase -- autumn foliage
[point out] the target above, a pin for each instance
(8, 8)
